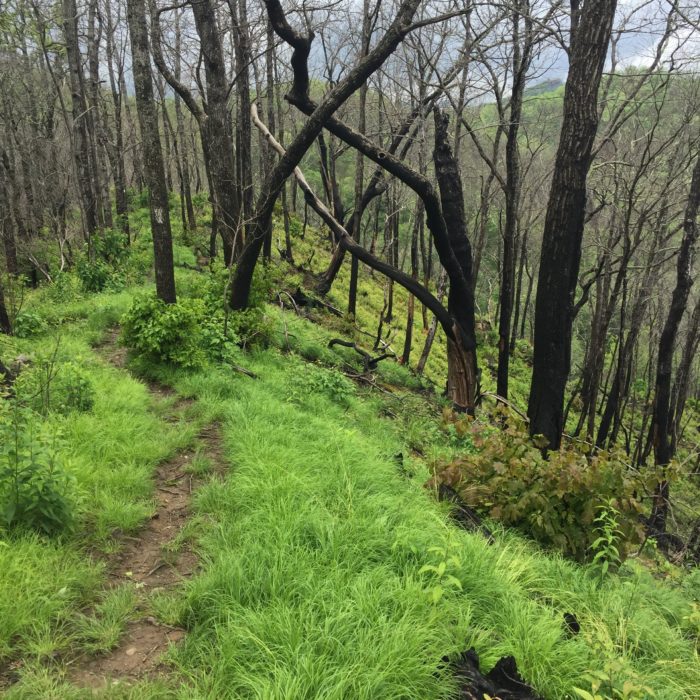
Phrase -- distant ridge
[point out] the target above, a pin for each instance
(545, 86)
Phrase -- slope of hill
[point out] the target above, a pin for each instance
(319, 565)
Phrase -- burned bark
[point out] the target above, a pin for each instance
(563, 230)
(663, 423)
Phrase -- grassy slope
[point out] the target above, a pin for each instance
(313, 587)
(110, 453)
(313, 548)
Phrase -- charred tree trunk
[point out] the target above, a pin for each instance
(216, 130)
(430, 338)
(417, 224)
(563, 230)
(7, 224)
(359, 161)
(462, 370)
(244, 143)
(99, 141)
(521, 64)
(681, 387)
(662, 423)
(5, 326)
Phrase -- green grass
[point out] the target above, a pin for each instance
(50, 601)
(314, 543)
(311, 587)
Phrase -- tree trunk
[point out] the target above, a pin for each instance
(5, 326)
(417, 224)
(215, 128)
(462, 370)
(244, 143)
(119, 173)
(154, 169)
(7, 226)
(81, 137)
(563, 230)
(521, 63)
(662, 424)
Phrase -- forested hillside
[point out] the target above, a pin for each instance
(349, 350)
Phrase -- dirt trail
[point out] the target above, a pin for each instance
(148, 559)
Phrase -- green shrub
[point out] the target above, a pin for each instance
(310, 351)
(66, 287)
(253, 327)
(111, 246)
(34, 490)
(28, 324)
(312, 380)
(165, 332)
(556, 499)
(218, 337)
(48, 385)
(94, 274)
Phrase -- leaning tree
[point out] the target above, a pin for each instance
(445, 215)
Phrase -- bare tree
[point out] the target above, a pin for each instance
(152, 153)
(591, 26)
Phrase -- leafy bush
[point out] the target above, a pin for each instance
(312, 380)
(48, 385)
(28, 324)
(555, 500)
(34, 490)
(106, 267)
(219, 339)
(165, 332)
(111, 246)
(94, 274)
(66, 287)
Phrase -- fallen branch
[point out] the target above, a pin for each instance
(348, 243)
(368, 361)
(243, 370)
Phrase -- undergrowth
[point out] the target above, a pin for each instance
(327, 569)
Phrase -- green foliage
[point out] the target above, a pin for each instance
(310, 351)
(48, 385)
(66, 287)
(34, 489)
(28, 324)
(606, 547)
(186, 334)
(441, 572)
(112, 246)
(165, 332)
(553, 499)
(94, 274)
(310, 380)
(614, 682)
(104, 267)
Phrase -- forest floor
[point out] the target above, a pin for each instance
(271, 537)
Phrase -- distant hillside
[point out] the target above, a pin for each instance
(544, 86)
